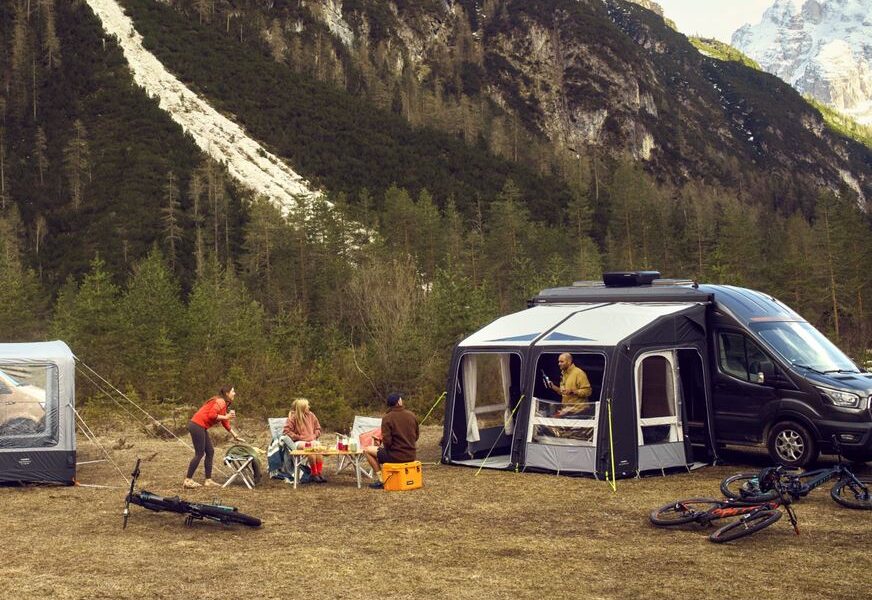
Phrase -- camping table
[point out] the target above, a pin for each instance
(357, 459)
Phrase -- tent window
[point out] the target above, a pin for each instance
(28, 406)
(556, 423)
(489, 384)
(658, 401)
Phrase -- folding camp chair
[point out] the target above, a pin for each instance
(360, 425)
(244, 463)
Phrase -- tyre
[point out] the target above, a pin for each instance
(746, 487)
(790, 444)
(681, 512)
(849, 494)
(226, 515)
(745, 526)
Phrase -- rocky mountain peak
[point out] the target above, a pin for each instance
(821, 47)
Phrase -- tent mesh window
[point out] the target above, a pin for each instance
(28, 406)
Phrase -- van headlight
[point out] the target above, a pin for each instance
(840, 398)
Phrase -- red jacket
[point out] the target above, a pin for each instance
(207, 416)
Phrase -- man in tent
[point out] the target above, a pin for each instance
(574, 387)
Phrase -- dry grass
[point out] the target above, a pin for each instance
(495, 535)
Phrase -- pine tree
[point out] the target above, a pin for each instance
(171, 212)
(88, 318)
(40, 146)
(24, 303)
(77, 163)
(152, 314)
(51, 44)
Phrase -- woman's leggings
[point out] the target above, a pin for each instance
(202, 446)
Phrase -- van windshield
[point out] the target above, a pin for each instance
(802, 345)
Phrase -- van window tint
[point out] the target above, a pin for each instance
(740, 357)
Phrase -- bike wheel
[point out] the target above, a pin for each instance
(227, 515)
(745, 526)
(746, 486)
(847, 493)
(681, 512)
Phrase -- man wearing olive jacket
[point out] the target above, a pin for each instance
(399, 436)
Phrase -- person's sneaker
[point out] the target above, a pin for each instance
(320, 479)
(377, 485)
(190, 484)
(211, 483)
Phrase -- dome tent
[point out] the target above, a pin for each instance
(37, 413)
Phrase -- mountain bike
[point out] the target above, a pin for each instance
(850, 490)
(194, 510)
(753, 516)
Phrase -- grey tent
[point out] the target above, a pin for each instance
(37, 413)
(650, 408)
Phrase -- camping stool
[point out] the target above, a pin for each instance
(245, 465)
(401, 477)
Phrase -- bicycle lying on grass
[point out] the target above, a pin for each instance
(849, 491)
(194, 510)
(753, 516)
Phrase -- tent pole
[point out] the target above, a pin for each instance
(613, 483)
(438, 400)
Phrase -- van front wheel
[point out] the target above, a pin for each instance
(790, 444)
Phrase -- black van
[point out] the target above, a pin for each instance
(775, 379)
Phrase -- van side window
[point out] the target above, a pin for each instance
(740, 357)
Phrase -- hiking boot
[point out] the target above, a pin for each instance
(211, 483)
(190, 484)
(320, 479)
(377, 485)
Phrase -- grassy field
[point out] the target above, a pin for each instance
(494, 535)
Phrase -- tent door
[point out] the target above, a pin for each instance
(660, 428)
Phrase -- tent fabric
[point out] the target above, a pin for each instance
(621, 332)
(37, 421)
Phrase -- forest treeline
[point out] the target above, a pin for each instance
(343, 303)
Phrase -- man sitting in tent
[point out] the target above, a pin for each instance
(574, 388)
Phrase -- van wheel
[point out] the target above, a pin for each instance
(790, 444)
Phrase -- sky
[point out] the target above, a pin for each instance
(713, 18)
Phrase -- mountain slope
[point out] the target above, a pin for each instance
(541, 81)
(821, 47)
(246, 160)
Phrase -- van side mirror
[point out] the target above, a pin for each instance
(766, 372)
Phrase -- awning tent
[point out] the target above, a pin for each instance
(37, 412)
(646, 361)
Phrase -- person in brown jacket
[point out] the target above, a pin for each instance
(399, 436)
(303, 426)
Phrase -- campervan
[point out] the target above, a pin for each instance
(677, 370)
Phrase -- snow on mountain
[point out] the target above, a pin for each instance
(225, 141)
(821, 47)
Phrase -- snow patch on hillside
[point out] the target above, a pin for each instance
(225, 141)
(821, 47)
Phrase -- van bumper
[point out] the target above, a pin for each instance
(855, 439)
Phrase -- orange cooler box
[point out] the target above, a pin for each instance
(400, 477)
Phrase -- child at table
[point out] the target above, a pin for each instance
(303, 426)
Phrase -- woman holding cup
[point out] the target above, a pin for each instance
(304, 428)
(215, 410)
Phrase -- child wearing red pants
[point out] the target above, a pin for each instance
(303, 426)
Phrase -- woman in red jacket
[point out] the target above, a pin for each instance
(302, 426)
(216, 410)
